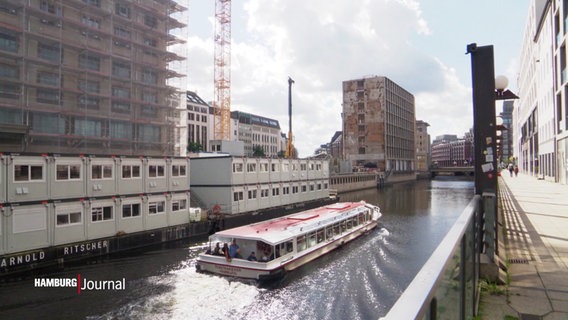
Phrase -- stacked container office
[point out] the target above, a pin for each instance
(239, 184)
(52, 201)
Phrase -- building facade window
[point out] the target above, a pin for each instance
(121, 92)
(130, 171)
(89, 86)
(156, 207)
(91, 22)
(122, 10)
(120, 107)
(150, 21)
(238, 196)
(49, 52)
(155, 171)
(48, 78)
(9, 71)
(68, 172)
(101, 171)
(120, 130)
(28, 172)
(130, 210)
(148, 133)
(178, 170)
(88, 128)
(101, 213)
(9, 91)
(149, 76)
(121, 70)
(50, 6)
(8, 42)
(48, 96)
(69, 218)
(179, 205)
(89, 61)
(88, 102)
(47, 123)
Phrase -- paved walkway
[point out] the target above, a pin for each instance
(536, 243)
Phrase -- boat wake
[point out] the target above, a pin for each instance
(187, 294)
(184, 293)
(202, 296)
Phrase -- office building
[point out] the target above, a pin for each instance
(378, 125)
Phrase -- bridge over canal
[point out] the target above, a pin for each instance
(452, 171)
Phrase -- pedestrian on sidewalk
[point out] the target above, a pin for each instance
(516, 170)
(510, 167)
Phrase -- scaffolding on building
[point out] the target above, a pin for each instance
(90, 76)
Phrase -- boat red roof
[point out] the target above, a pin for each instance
(279, 229)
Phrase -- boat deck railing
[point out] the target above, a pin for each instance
(447, 285)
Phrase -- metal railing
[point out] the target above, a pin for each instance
(447, 285)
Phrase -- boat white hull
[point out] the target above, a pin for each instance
(273, 269)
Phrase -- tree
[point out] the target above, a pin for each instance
(194, 147)
(258, 151)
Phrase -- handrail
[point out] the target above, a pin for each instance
(419, 296)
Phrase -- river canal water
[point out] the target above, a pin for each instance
(361, 280)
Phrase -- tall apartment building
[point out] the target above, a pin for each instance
(88, 76)
(422, 146)
(378, 124)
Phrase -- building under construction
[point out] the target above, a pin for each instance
(88, 76)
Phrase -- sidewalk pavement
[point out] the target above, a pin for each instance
(534, 217)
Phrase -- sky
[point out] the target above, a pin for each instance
(420, 45)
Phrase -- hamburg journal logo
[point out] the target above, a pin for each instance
(81, 284)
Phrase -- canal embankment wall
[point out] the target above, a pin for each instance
(358, 181)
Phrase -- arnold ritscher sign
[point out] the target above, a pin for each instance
(48, 254)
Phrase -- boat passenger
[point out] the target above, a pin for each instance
(217, 250)
(234, 250)
(225, 250)
(252, 257)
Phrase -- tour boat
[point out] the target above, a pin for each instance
(286, 243)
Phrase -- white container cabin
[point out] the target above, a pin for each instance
(240, 185)
(52, 200)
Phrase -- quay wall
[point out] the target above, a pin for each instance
(359, 181)
(353, 181)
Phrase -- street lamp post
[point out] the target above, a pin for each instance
(483, 85)
(486, 90)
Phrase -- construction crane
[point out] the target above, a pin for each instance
(222, 70)
(290, 146)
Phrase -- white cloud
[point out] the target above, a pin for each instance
(448, 111)
(320, 44)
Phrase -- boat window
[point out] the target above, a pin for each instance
(312, 239)
(355, 222)
(320, 235)
(301, 243)
(343, 226)
(336, 229)
(329, 232)
(264, 251)
(361, 218)
(349, 223)
(284, 248)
